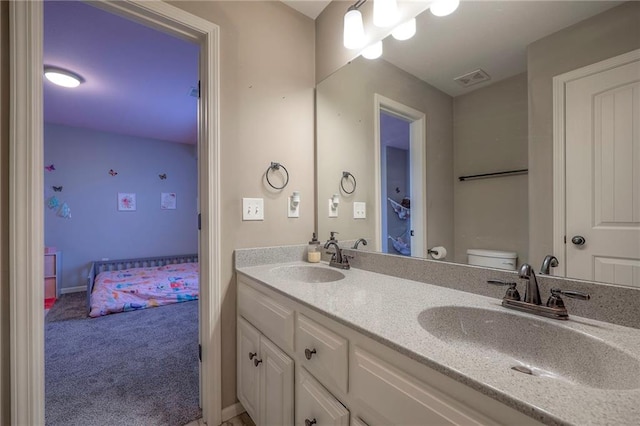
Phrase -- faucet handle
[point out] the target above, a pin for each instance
(512, 291)
(555, 301)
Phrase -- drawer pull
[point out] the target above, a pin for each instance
(309, 353)
(256, 362)
(308, 422)
(252, 354)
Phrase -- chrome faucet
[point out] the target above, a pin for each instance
(337, 259)
(531, 293)
(548, 263)
(532, 303)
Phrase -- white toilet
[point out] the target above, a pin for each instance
(492, 258)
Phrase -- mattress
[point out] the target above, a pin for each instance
(141, 288)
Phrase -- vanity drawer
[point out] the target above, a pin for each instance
(322, 352)
(314, 402)
(270, 317)
(398, 398)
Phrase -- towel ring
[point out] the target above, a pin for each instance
(277, 166)
(346, 176)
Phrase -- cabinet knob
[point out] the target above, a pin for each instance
(252, 354)
(256, 362)
(308, 422)
(309, 353)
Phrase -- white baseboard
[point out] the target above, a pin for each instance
(77, 289)
(232, 411)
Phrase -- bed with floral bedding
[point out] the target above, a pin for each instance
(132, 284)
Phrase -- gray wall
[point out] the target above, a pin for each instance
(267, 63)
(96, 229)
(608, 34)
(345, 142)
(490, 135)
(4, 214)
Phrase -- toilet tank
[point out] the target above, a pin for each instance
(492, 258)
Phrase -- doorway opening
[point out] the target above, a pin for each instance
(400, 151)
(27, 208)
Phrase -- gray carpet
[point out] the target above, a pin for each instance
(131, 368)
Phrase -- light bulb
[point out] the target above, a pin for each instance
(373, 51)
(405, 31)
(353, 29)
(444, 7)
(385, 13)
(62, 77)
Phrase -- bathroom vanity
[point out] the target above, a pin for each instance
(317, 345)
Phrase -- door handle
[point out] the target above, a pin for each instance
(578, 240)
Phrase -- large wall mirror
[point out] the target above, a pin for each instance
(407, 129)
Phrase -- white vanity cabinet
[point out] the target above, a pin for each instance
(343, 376)
(265, 378)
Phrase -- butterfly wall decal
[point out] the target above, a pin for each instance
(57, 188)
(112, 172)
(163, 176)
(50, 167)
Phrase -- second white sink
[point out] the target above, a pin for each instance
(534, 346)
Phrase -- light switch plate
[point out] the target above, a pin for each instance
(359, 210)
(333, 211)
(252, 209)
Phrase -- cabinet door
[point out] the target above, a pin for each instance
(315, 405)
(276, 385)
(248, 372)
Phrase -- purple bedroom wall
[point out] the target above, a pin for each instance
(83, 160)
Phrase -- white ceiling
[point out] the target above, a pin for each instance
(491, 35)
(311, 8)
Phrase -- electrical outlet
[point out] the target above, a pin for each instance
(252, 209)
(293, 211)
(359, 210)
(333, 209)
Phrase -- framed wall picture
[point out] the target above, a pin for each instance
(168, 201)
(126, 201)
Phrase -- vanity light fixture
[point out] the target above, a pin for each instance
(373, 51)
(353, 36)
(62, 77)
(405, 30)
(444, 7)
(385, 13)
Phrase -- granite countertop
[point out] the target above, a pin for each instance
(387, 309)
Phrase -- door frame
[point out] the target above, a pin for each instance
(559, 148)
(26, 207)
(418, 143)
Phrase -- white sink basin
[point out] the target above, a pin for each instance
(308, 273)
(534, 346)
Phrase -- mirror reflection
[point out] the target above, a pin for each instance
(472, 95)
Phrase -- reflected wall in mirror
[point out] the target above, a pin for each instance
(503, 123)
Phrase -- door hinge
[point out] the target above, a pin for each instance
(199, 89)
(200, 352)
(199, 222)
(565, 239)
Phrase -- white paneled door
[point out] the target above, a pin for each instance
(603, 175)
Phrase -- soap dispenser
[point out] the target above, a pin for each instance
(313, 251)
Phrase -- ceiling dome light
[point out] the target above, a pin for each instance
(353, 37)
(405, 31)
(373, 51)
(444, 7)
(385, 13)
(62, 77)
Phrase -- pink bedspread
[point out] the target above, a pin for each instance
(140, 288)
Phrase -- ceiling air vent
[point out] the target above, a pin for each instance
(473, 77)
